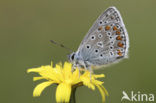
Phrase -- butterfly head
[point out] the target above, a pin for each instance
(71, 57)
(77, 60)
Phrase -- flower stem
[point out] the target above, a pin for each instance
(72, 98)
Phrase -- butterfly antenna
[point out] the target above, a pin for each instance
(61, 45)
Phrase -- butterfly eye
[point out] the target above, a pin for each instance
(96, 50)
(92, 37)
(100, 35)
(118, 26)
(112, 42)
(105, 22)
(101, 55)
(72, 57)
(122, 36)
(100, 22)
(121, 30)
(108, 33)
(111, 47)
(88, 46)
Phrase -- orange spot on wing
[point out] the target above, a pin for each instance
(119, 53)
(118, 50)
(118, 32)
(107, 27)
(115, 28)
(120, 44)
(118, 38)
(100, 28)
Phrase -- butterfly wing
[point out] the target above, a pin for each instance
(107, 40)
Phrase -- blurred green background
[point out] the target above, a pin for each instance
(26, 26)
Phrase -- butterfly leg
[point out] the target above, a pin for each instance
(74, 66)
(91, 71)
(88, 67)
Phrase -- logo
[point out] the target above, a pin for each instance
(137, 96)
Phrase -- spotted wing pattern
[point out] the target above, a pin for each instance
(107, 41)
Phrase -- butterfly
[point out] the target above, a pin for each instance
(106, 42)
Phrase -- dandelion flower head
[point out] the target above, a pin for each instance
(66, 80)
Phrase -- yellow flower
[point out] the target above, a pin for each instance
(66, 80)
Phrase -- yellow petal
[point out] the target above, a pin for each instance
(75, 77)
(94, 81)
(58, 67)
(86, 74)
(87, 82)
(89, 85)
(63, 93)
(99, 75)
(106, 92)
(37, 78)
(50, 73)
(34, 70)
(40, 87)
(67, 67)
(102, 93)
(58, 74)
